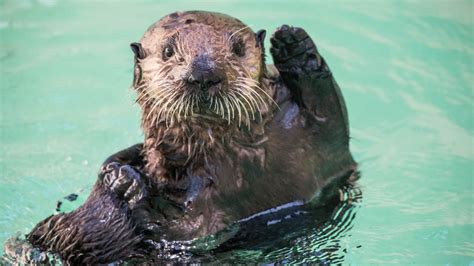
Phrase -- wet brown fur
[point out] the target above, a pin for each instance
(186, 136)
(244, 167)
(84, 236)
(209, 169)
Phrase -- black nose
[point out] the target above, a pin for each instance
(204, 73)
(204, 79)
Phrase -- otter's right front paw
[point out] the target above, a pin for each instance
(125, 181)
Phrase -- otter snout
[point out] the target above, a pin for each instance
(204, 79)
(204, 74)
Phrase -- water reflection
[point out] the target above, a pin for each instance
(300, 234)
(295, 234)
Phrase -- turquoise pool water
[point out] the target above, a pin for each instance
(405, 68)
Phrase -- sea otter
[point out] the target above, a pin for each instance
(226, 137)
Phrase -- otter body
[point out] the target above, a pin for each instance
(246, 173)
(226, 136)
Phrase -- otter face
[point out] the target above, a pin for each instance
(200, 64)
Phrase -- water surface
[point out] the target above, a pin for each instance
(405, 68)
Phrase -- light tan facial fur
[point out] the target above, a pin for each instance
(230, 47)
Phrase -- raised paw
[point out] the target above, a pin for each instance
(294, 52)
(125, 181)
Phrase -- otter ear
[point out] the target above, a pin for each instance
(260, 36)
(139, 54)
(138, 50)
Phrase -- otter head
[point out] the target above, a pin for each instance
(200, 65)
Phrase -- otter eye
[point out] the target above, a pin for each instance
(238, 48)
(168, 52)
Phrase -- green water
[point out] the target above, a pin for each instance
(405, 68)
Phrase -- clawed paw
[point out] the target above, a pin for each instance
(125, 181)
(294, 52)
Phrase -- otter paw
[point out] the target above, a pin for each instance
(294, 52)
(125, 181)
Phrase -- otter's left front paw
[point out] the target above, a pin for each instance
(125, 181)
(294, 53)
